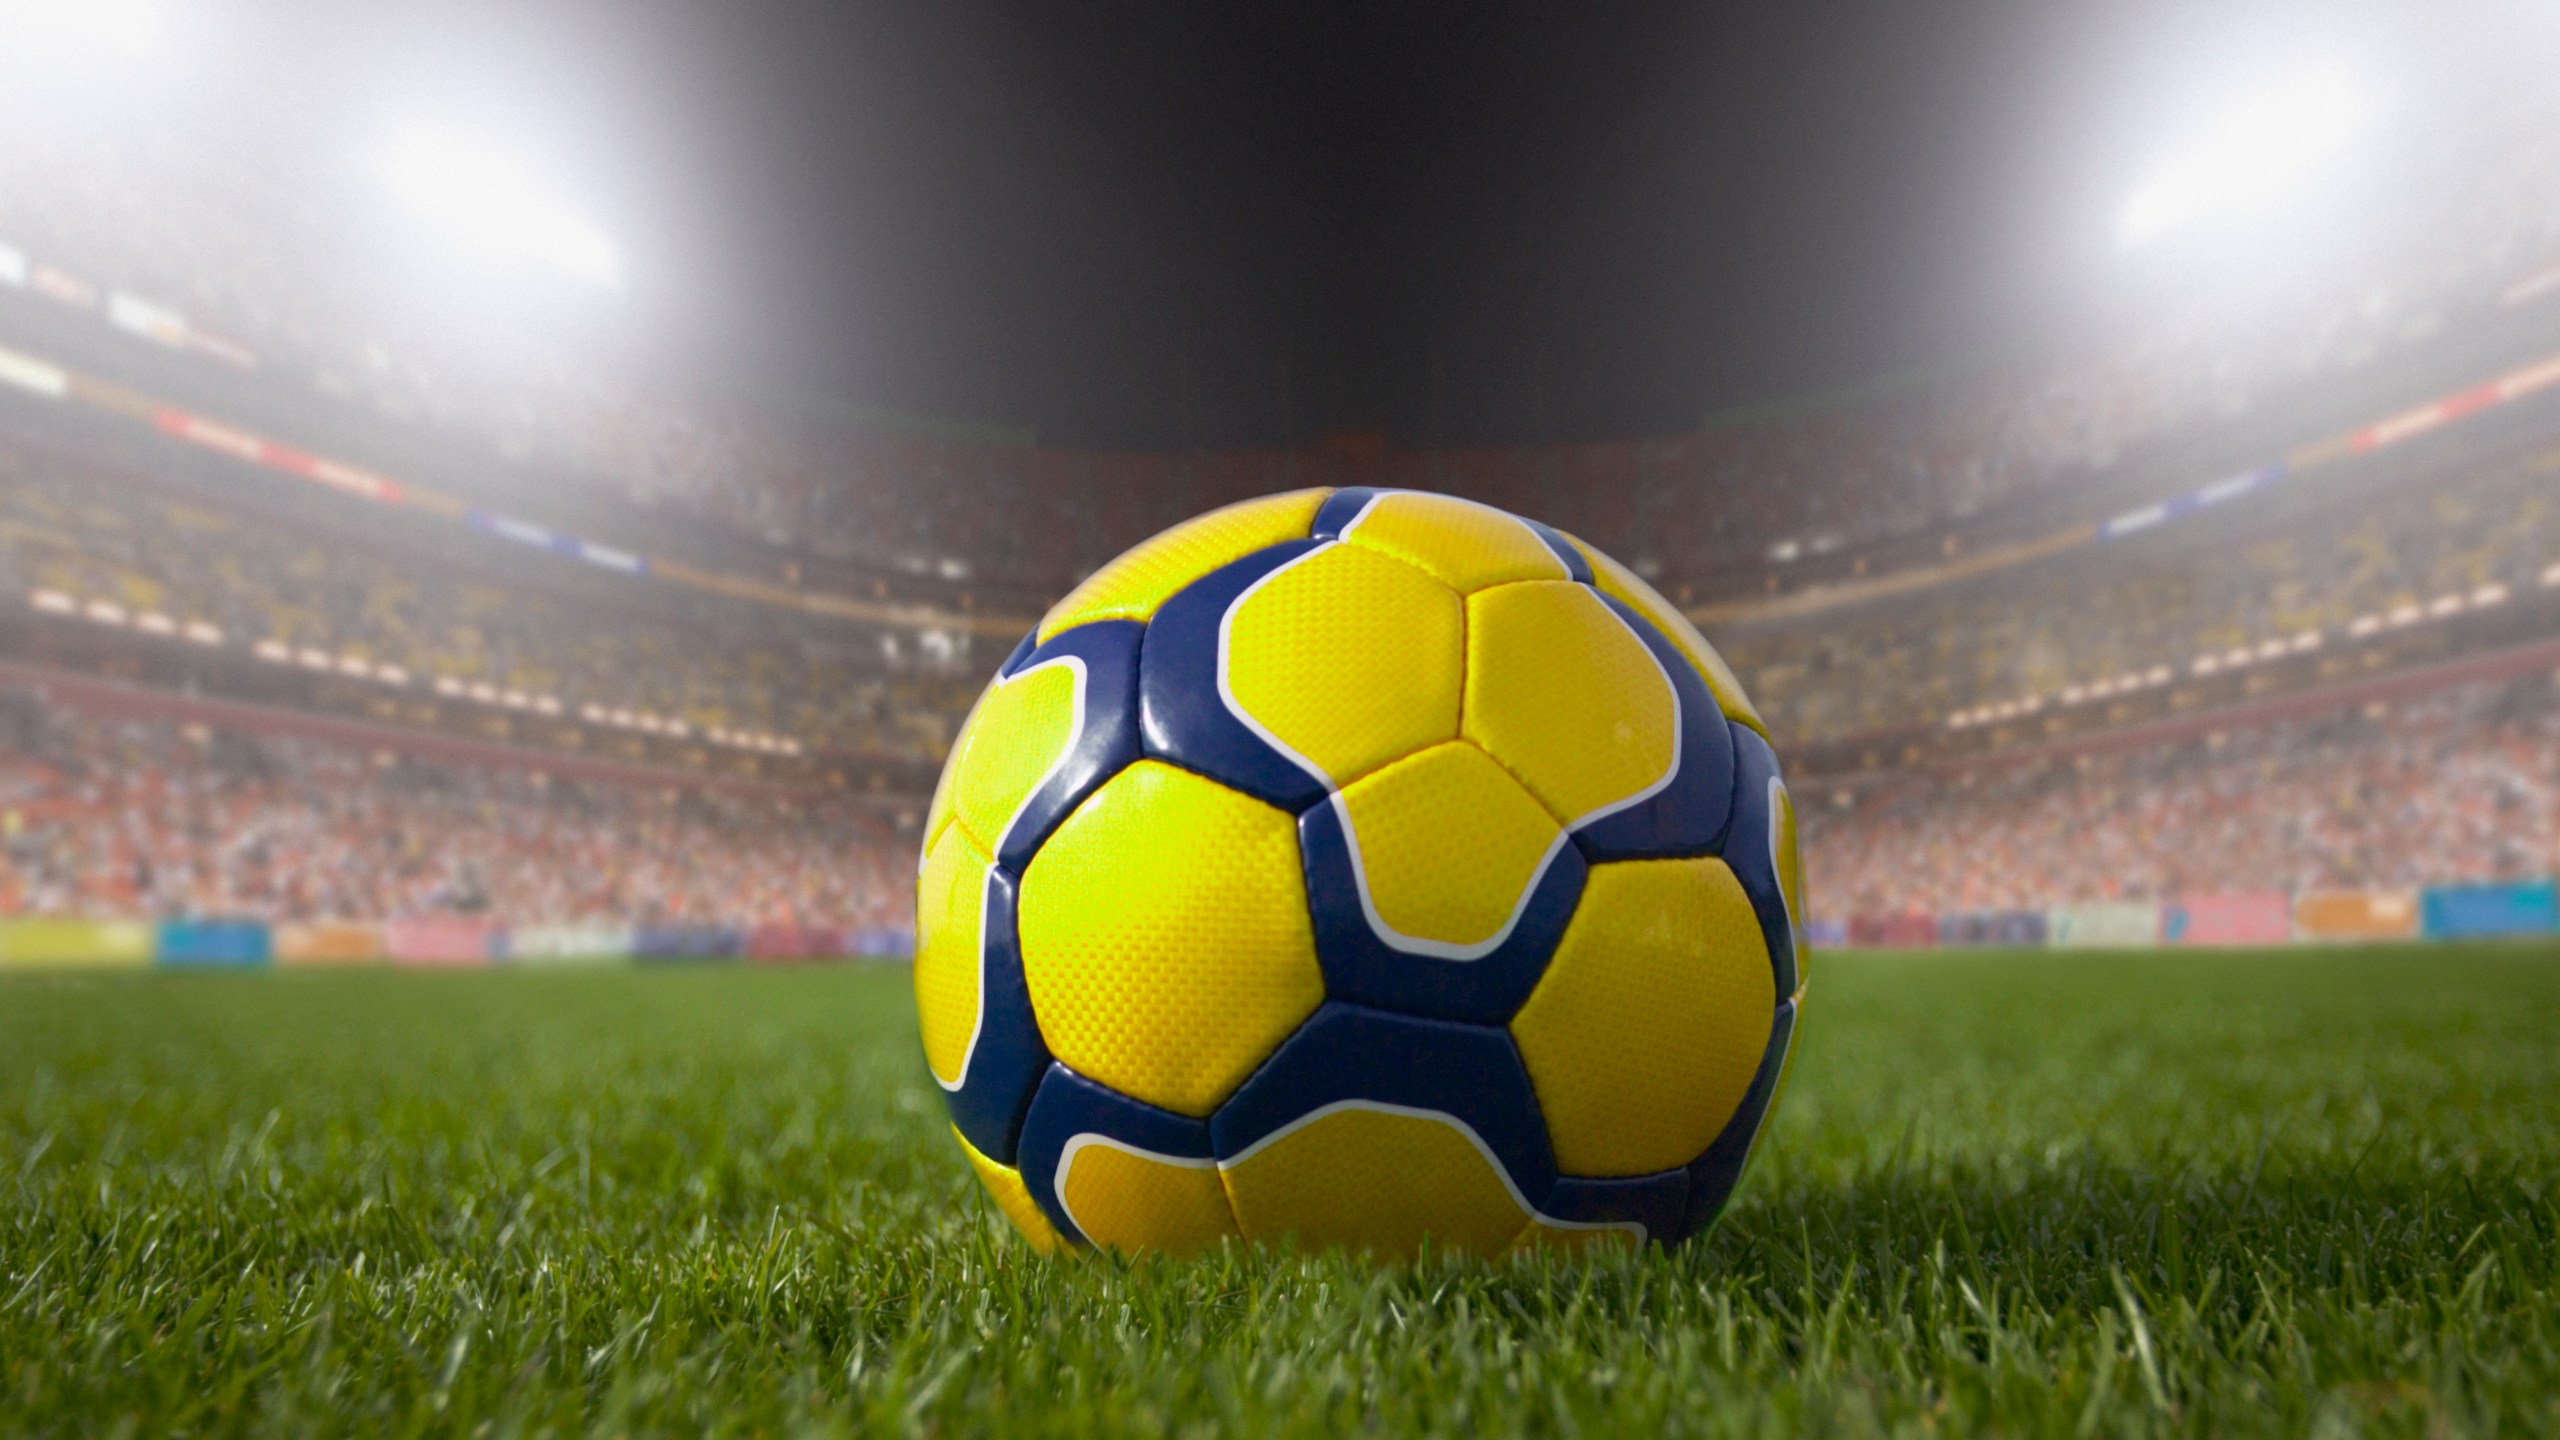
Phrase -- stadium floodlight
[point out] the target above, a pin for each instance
(39, 27)
(2267, 143)
(481, 195)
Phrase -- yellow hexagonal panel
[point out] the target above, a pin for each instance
(1346, 659)
(951, 890)
(1013, 1198)
(1132, 586)
(1626, 586)
(1448, 846)
(1566, 697)
(1651, 1018)
(1467, 546)
(1165, 937)
(938, 812)
(1376, 1179)
(1130, 1200)
(1020, 730)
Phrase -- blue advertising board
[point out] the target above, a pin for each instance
(2457, 912)
(214, 944)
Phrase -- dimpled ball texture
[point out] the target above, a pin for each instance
(1360, 868)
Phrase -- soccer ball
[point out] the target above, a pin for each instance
(1367, 867)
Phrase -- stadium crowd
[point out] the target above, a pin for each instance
(223, 254)
(2146, 608)
(711, 664)
(152, 819)
(2457, 787)
(2057, 629)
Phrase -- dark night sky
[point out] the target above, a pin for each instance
(1153, 224)
(1156, 224)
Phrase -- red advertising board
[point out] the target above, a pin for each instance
(2254, 917)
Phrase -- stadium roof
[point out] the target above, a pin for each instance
(1143, 225)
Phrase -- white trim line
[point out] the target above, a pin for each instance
(1777, 792)
(1226, 691)
(1564, 570)
(1361, 514)
(987, 879)
(1509, 1186)
(1076, 1145)
(1678, 724)
(1415, 944)
(978, 1016)
(1387, 934)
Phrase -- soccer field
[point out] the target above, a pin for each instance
(2274, 1193)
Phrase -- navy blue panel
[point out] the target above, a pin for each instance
(1689, 815)
(1012, 665)
(1339, 509)
(1746, 849)
(1566, 552)
(1183, 719)
(1010, 1055)
(1362, 968)
(1107, 743)
(1660, 1203)
(1713, 1175)
(1067, 1105)
(1350, 1052)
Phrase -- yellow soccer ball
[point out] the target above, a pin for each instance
(1362, 867)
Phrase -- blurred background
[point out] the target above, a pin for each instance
(521, 481)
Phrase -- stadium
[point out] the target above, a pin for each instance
(2169, 703)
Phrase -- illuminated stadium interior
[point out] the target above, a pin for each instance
(276, 528)
(1364, 717)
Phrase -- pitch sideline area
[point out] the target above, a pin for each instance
(2262, 1192)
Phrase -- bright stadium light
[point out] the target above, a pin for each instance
(483, 196)
(50, 27)
(2257, 149)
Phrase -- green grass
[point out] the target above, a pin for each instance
(2278, 1193)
